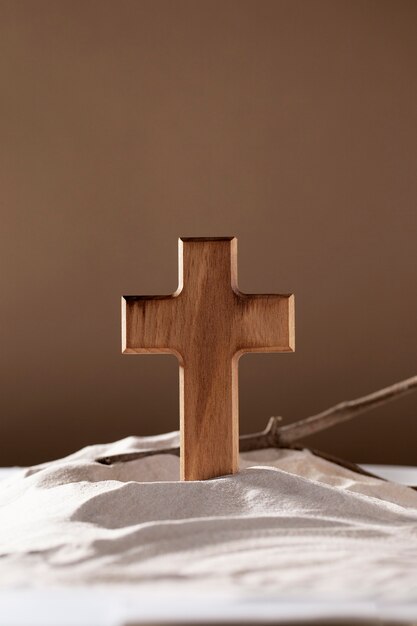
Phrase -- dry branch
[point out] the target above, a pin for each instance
(343, 412)
(277, 436)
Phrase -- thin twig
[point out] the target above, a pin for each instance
(133, 456)
(267, 438)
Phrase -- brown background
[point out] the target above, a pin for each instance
(125, 124)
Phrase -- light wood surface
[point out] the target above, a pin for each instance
(208, 324)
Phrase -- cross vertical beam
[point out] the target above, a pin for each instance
(209, 394)
(208, 323)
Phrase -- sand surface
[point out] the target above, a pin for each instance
(288, 523)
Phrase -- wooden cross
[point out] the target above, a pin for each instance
(208, 324)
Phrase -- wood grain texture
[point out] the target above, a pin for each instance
(208, 324)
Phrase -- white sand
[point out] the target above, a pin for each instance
(288, 523)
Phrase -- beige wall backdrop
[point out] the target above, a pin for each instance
(125, 124)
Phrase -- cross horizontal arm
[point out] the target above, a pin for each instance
(264, 323)
(149, 325)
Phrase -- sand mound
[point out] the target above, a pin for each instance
(288, 523)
